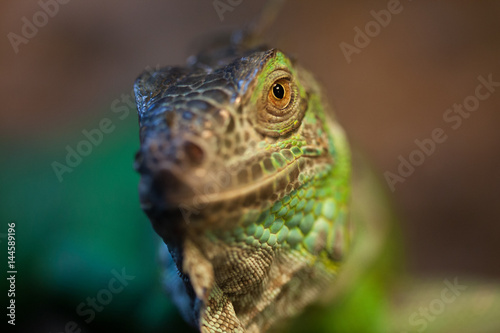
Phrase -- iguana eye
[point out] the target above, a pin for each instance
(280, 104)
(280, 94)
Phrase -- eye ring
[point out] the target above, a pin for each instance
(280, 111)
(280, 93)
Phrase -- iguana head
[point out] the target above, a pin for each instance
(220, 138)
(240, 165)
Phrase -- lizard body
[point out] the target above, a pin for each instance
(246, 177)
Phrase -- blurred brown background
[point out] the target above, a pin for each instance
(393, 92)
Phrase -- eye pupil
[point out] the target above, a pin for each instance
(278, 91)
(280, 94)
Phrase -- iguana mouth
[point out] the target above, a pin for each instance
(261, 190)
(169, 187)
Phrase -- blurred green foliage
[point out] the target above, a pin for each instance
(71, 235)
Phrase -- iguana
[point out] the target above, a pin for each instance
(246, 176)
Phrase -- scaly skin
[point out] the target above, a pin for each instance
(252, 199)
(250, 196)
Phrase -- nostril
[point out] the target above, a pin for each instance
(194, 153)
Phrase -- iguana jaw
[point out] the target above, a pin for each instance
(173, 188)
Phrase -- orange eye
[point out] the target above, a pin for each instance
(280, 95)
